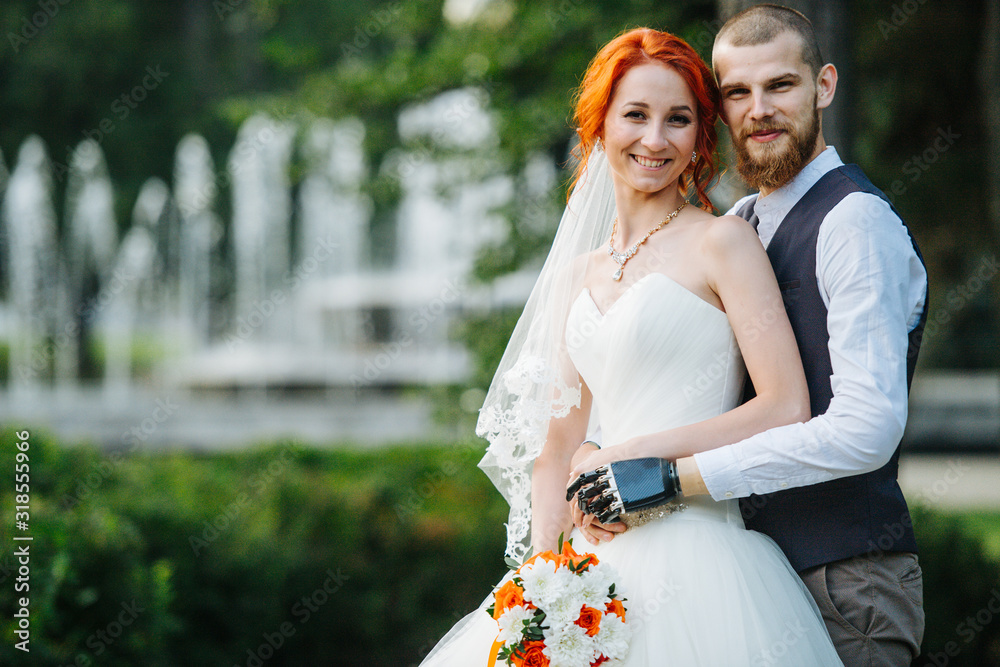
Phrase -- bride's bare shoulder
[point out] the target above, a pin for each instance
(726, 233)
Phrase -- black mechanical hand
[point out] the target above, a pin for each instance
(586, 478)
(625, 486)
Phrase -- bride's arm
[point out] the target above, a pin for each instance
(738, 271)
(550, 513)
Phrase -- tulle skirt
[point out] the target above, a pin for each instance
(700, 590)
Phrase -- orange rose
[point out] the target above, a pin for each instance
(616, 607)
(509, 595)
(545, 555)
(590, 620)
(571, 558)
(531, 656)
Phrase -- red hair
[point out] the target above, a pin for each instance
(637, 47)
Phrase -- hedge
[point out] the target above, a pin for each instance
(288, 555)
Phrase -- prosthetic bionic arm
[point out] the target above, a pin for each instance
(625, 487)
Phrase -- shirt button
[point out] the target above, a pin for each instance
(729, 494)
(784, 485)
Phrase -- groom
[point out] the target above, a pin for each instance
(855, 290)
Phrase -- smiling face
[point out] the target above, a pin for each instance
(771, 101)
(650, 130)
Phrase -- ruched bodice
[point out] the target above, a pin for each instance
(659, 358)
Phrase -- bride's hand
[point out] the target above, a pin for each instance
(596, 458)
(592, 530)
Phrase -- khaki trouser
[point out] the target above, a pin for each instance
(873, 607)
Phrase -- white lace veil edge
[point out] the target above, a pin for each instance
(534, 382)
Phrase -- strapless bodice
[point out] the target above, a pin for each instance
(659, 358)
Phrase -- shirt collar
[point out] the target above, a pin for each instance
(777, 204)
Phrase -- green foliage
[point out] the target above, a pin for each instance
(961, 589)
(486, 336)
(357, 558)
(919, 131)
(229, 58)
(339, 556)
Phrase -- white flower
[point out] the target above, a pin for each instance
(594, 585)
(562, 611)
(569, 646)
(512, 624)
(562, 601)
(539, 581)
(612, 640)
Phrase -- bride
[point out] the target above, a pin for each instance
(647, 317)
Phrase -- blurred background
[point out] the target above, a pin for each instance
(259, 260)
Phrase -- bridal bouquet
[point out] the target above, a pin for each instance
(560, 610)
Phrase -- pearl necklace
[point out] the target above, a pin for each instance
(622, 257)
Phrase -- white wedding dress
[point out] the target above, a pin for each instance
(700, 589)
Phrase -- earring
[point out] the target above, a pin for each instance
(694, 156)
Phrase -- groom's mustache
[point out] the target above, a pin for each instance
(744, 134)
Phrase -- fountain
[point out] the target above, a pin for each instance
(200, 230)
(332, 319)
(32, 251)
(90, 242)
(5, 326)
(258, 165)
(134, 289)
(333, 214)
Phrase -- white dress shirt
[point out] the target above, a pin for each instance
(873, 286)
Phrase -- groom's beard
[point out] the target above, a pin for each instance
(771, 167)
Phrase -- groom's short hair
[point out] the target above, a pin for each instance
(760, 24)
